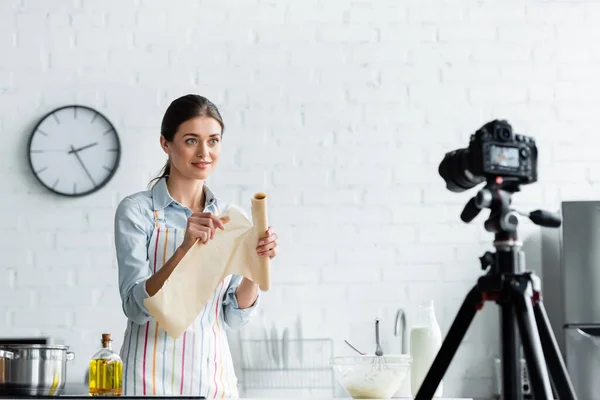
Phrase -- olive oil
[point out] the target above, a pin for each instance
(106, 371)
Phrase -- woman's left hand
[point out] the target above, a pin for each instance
(267, 246)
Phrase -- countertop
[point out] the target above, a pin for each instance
(190, 397)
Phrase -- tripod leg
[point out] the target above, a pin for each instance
(455, 335)
(511, 362)
(534, 357)
(556, 365)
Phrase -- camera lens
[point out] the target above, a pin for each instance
(454, 169)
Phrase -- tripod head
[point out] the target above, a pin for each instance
(503, 221)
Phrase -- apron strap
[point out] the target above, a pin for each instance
(159, 219)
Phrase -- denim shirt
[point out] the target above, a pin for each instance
(134, 224)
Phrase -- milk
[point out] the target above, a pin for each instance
(425, 342)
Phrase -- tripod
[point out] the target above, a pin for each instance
(519, 296)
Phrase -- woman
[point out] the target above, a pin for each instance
(153, 230)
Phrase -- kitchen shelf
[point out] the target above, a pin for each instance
(305, 367)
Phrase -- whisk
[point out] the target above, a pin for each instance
(378, 360)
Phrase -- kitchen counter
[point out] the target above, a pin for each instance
(77, 397)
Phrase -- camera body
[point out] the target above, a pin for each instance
(494, 151)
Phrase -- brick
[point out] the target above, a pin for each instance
(412, 214)
(85, 20)
(300, 255)
(526, 73)
(421, 93)
(7, 278)
(448, 233)
(436, 53)
(100, 320)
(363, 177)
(462, 73)
(388, 235)
(282, 274)
(412, 273)
(300, 176)
(406, 32)
(64, 36)
(565, 12)
(95, 240)
(367, 255)
(471, 33)
(347, 33)
(255, 177)
(323, 294)
(64, 296)
(411, 173)
(575, 91)
(313, 12)
(365, 13)
(39, 220)
(381, 293)
(42, 278)
(331, 197)
(394, 195)
(352, 273)
(426, 253)
(351, 114)
(366, 52)
(18, 298)
(38, 240)
(394, 93)
(271, 155)
(531, 34)
(498, 94)
(440, 13)
(498, 13)
(99, 276)
(59, 317)
(318, 234)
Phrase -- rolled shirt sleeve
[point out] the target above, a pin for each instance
(236, 317)
(132, 259)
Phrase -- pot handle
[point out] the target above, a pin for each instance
(70, 356)
(8, 354)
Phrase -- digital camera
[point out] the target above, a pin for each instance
(494, 151)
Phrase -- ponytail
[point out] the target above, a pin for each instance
(166, 171)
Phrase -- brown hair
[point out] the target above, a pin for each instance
(180, 110)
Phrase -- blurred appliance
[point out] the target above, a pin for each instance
(571, 290)
(525, 387)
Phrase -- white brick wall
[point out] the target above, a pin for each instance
(355, 103)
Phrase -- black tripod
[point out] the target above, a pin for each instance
(507, 283)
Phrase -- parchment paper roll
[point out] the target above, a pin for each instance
(261, 223)
(192, 283)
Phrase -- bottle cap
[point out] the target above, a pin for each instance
(106, 337)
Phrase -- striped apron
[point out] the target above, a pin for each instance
(198, 363)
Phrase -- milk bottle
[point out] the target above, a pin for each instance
(425, 342)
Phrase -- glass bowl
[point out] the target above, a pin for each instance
(370, 376)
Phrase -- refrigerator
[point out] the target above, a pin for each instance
(570, 277)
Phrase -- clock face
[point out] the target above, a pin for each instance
(74, 151)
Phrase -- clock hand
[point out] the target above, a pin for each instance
(82, 164)
(82, 148)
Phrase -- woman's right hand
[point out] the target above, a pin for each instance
(201, 226)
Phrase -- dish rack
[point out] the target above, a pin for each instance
(301, 364)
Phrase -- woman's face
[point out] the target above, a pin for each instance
(196, 148)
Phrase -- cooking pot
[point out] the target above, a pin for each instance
(33, 369)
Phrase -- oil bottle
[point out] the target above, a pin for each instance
(106, 371)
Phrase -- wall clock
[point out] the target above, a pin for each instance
(74, 151)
